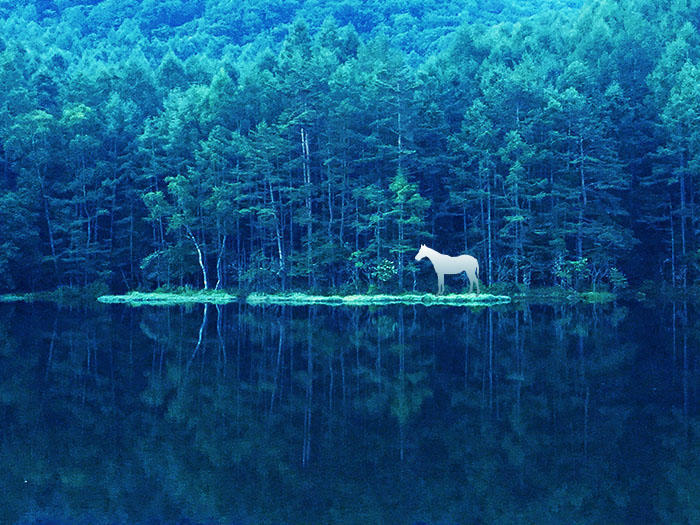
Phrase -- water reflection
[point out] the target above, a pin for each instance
(395, 414)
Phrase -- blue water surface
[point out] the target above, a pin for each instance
(239, 414)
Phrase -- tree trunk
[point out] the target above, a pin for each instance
(219, 265)
(278, 230)
(584, 201)
(307, 191)
(341, 232)
(488, 223)
(401, 254)
(464, 228)
(684, 266)
(49, 227)
(131, 239)
(200, 257)
(673, 245)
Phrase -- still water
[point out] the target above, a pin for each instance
(239, 414)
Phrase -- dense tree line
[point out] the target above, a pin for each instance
(280, 145)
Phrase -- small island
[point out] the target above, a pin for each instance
(170, 298)
(191, 296)
(301, 299)
(459, 299)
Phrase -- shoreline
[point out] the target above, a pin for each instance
(183, 297)
(258, 299)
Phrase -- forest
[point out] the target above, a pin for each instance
(281, 145)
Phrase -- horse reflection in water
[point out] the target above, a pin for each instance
(444, 264)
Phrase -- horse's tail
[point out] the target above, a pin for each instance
(477, 269)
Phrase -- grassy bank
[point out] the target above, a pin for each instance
(553, 295)
(170, 298)
(483, 299)
(495, 295)
(63, 295)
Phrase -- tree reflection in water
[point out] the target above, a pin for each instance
(320, 414)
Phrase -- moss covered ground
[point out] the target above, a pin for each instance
(170, 298)
(379, 299)
(188, 296)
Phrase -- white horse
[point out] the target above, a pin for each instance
(444, 264)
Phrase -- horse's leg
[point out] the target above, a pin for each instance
(441, 283)
(473, 279)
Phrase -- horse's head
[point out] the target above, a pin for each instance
(422, 252)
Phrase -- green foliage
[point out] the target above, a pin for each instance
(618, 281)
(385, 271)
(598, 297)
(162, 298)
(378, 299)
(572, 271)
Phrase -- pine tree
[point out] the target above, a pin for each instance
(408, 214)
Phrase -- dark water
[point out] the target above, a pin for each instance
(540, 414)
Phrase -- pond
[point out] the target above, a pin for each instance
(320, 414)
